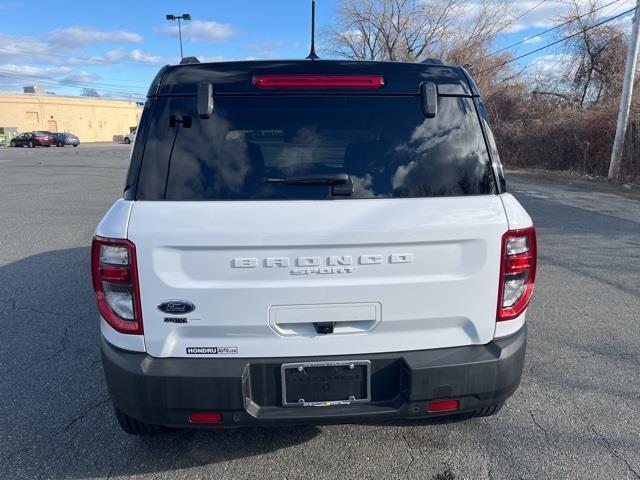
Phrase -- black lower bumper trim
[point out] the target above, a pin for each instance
(247, 391)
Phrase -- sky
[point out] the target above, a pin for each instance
(116, 47)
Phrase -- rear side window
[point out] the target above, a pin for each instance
(252, 144)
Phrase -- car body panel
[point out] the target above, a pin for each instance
(517, 216)
(443, 248)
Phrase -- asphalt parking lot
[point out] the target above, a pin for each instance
(575, 415)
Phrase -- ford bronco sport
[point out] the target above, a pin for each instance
(309, 242)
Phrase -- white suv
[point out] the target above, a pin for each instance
(308, 242)
(130, 137)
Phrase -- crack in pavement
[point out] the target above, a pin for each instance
(412, 457)
(63, 339)
(613, 451)
(15, 307)
(548, 437)
(84, 414)
(65, 429)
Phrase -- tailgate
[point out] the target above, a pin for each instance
(386, 274)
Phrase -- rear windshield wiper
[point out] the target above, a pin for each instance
(342, 183)
(318, 179)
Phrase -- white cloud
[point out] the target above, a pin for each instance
(55, 59)
(27, 71)
(552, 63)
(76, 37)
(60, 47)
(80, 77)
(47, 75)
(119, 55)
(54, 48)
(17, 48)
(548, 14)
(14, 77)
(139, 56)
(201, 31)
(533, 40)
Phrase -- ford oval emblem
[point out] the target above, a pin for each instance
(176, 307)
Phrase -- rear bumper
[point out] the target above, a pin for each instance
(247, 391)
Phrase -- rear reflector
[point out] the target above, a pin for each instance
(205, 417)
(318, 81)
(443, 406)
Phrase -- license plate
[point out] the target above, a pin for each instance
(324, 384)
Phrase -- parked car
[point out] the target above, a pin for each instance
(333, 242)
(130, 137)
(62, 139)
(32, 139)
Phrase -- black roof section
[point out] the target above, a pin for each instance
(236, 77)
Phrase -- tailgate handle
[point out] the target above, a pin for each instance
(324, 319)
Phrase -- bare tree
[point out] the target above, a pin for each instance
(89, 92)
(596, 56)
(458, 31)
(410, 30)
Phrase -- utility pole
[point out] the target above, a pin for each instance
(625, 99)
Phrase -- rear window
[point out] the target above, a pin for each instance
(253, 145)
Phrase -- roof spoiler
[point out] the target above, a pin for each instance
(189, 60)
(432, 61)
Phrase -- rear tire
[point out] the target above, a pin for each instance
(31, 145)
(60, 144)
(75, 145)
(135, 427)
(13, 144)
(127, 141)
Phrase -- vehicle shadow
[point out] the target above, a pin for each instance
(54, 407)
(56, 416)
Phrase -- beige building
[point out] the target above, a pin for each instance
(91, 119)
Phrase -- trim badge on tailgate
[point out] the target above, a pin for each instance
(176, 307)
(331, 264)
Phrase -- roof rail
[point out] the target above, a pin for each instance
(188, 60)
(432, 61)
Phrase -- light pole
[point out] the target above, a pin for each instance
(184, 16)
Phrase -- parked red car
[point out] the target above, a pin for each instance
(32, 139)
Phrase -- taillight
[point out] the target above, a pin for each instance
(115, 282)
(318, 81)
(517, 272)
